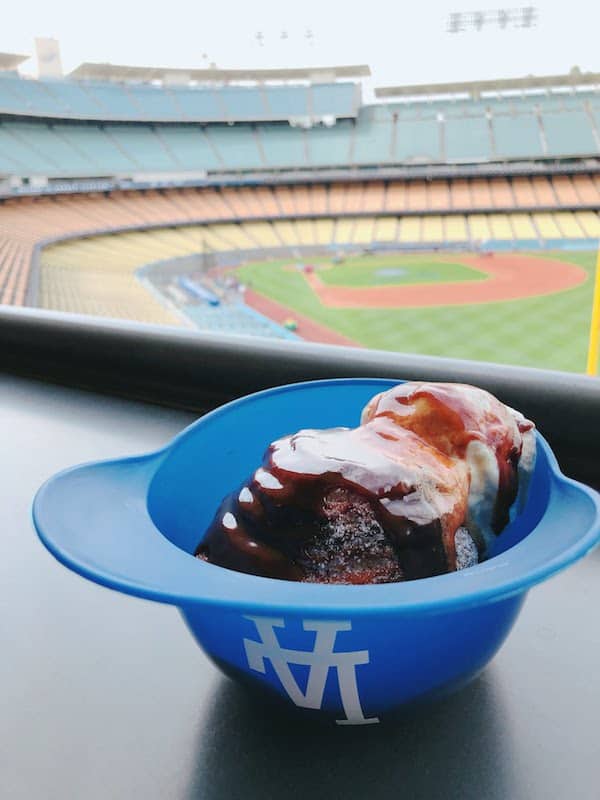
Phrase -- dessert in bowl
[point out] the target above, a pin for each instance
(421, 487)
(349, 652)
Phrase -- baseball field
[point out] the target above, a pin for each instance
(530, 309)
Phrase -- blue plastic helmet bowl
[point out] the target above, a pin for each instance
(349, 653)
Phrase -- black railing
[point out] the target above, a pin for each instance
(198, 371)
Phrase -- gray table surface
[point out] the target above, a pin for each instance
(107, 696)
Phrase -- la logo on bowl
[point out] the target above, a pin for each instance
(320, 660)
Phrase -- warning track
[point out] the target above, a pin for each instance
(308, 329)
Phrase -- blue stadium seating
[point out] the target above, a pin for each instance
(189, 147)
(142, 146)
(154, 103)
(328, 147)
(568, 133)
(94, 100)
(204, 106)
(73, 98)
(29, 160)
(238, 319)
(517, 136)
(10, 101)
(283, 104)
(332, 98)
(49, 145)
(467, 138)
(245, 106)
(114, 101)
(518, 127)
(284, 146)
(417, 140)
(237, 145)
(373, 138)
(28, 97)
(97, 146)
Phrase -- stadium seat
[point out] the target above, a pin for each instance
(409, 230)
(416, 196)
(523, 192)
(565, 190)
(324, 231)
(456, 228)
(305, 232)
(433, 230)
(544, 193)
(460, 194)
(344, 231)
(363, 230)
(385, 229)
(395, 198)
(568, 133)
(481, 193)
(501, 192)
(467, 138)
(516, 136)
(439, 195)
(330, 146)
(337, 198)
(282, 145)
(547, 226)
(479, 228)
(417, 141)
(589, 222)
(586, 190)
(500, 226)
(523, 227)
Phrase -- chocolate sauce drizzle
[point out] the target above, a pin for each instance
(377, 503)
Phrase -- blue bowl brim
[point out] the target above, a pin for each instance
(95, 520)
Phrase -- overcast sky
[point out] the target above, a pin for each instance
(402, 42)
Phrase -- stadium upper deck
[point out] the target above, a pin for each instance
(80, 128)
(134, 102)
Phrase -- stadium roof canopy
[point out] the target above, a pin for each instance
(116, 72)
(11, 60)
(572, 79)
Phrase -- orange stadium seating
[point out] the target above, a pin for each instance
(460, 193)
(373, 197)
(565, 191)
(395, 197)
(502, 195)
(285, 199)
(29, 221)
(337, 198)
(543, 191)
(524, 194)
(586, 189)
(481, 193)
(439, 195)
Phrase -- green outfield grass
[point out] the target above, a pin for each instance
(549, 332)
(381, 271)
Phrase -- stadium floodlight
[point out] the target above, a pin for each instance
(455, 23)
(529, 17)
(503, 18)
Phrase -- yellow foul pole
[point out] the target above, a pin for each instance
(592, 359)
